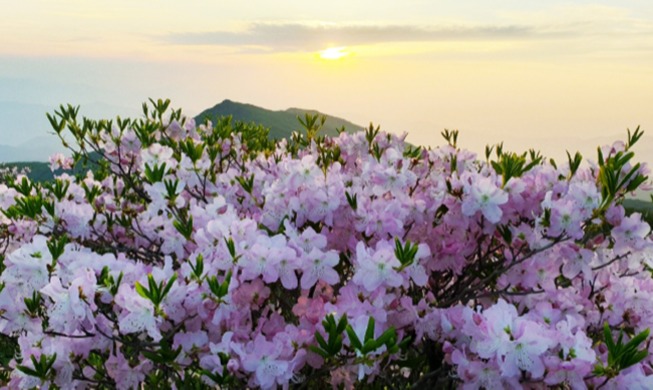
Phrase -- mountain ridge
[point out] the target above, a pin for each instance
(34, 152)
(280, 122)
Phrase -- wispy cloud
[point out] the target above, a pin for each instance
(301, 36)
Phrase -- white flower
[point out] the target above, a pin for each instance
(483, 195)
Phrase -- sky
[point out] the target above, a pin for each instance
(533, 74)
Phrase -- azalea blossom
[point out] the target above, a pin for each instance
(138, 313)
(319, 266)
(259, 261)
(264, 361)
(377, 267)
(483, 195)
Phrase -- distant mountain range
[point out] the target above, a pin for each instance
(34, 152)
(39, 148)
(35, 149)
(280, 123)
(26, 135)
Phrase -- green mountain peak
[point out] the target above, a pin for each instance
(280, 123)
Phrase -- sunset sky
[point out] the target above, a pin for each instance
(530, 73)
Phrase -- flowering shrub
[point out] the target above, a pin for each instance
(195, 256)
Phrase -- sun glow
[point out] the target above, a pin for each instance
(334, 53)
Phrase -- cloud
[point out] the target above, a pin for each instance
(303, 36)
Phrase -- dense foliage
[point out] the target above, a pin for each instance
(207, 255)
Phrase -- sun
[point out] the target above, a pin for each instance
(334, 53)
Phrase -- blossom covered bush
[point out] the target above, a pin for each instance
(195, 256)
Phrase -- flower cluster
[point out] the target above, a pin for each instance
(203, 255)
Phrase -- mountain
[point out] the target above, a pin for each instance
(19, 122)
(280, 123)
(26, 134)
(645, 207)
(40, 147)
(36, 149)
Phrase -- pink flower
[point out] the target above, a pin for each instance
(311, 309)
(483, 195)
(126, 376)
(517, 343)
(577, 261)
(630, 233)
(570, 373)
(58, 160)
(477, 375)
(566, 217)
(377, 268)
(264, 362)
(303, 172)
(282, 265)
(212, 361)
(191, 340)
(271, 258)
(71, 308)
(251, 294)
(318, 265)
(633, 377)
(138, 313)
(27, 267)
(157, 154)
(76, 216)
(416, 270)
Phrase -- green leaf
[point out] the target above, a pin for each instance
(155, 173)
(451, 136)
(184, 226)
(342, 324)
(353, 338)
(335, 344)
(634, 358)
(369, 346)
(405, 342)
(607, 334)
(142, 291)
(198, 267)
(319, 351)
(388, 337)
(638, 339)
(634, 137)
(154, 289)
(574, 163)
(42, 367)
(153, 356)
(351, 199)
(167, 287)
(28, 371)
(369, 332)
(231, 246)
(621, 356)
(321, 341)
(56, 246)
